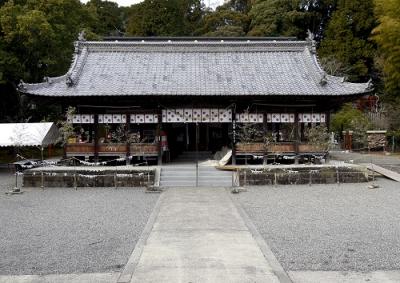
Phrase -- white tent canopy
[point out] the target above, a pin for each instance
(28, 134)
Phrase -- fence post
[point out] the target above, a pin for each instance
(42, 180)
(75, 183)
(115, 179)
(337, 176)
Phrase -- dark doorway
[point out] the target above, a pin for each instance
(182, 137)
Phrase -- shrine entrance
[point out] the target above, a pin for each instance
(211, 137)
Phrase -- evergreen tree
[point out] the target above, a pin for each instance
(319, 13)
(278, 18)
(108, 17)
(164, 17)
(387, 35)
(224, 22)
(242, 6)
(36, 40)
(347, 38)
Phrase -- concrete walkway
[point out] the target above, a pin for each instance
(200, 236)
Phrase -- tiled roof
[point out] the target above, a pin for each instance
(130, 68)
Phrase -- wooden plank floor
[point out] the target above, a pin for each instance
(385, 172)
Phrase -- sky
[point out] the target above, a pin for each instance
(211, 3)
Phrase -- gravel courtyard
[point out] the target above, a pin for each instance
(68, 231)
(329, 227)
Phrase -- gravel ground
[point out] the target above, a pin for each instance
(67, 231)
(329, 227)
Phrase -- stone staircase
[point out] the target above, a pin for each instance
(184, 175)
(182, 172)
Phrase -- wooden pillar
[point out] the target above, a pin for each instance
(96, 137)
(187, 141)
(296, 137)
(265, 133)
(233, 135)
(128, 143)
(328, 120)
(158, 134)
(197, 153)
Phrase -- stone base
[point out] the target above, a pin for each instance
(88, 177)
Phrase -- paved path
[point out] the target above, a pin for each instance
(200, 236)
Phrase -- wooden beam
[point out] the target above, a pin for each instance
(96, 137)
(127, 133)
(233, 135)
(158, 136)
(296, 136)
(385, 172)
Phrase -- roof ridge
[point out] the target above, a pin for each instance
(80, 56)
(127, 46)
(313, 67)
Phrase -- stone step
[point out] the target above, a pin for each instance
(201, 180)
(193, 184)
(185, 176)
(177, 184)
(193, 172)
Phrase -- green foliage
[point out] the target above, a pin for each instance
(107, 17)
(393, 113)
(66, 128)
(387, 36)
(278, 18)
(319, 13)
(248, 133)
(318, 136)
(347, 38)
(242, 6)
(36, 40)
(37, 37)
(351, 119)
(346, 117)
(224, 22)
(164, 18)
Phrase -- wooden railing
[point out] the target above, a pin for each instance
(111, 149)
(79, 149)
(284, 147)
(250, 148)
(309, 148)
(143, 149)
(280, 147)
